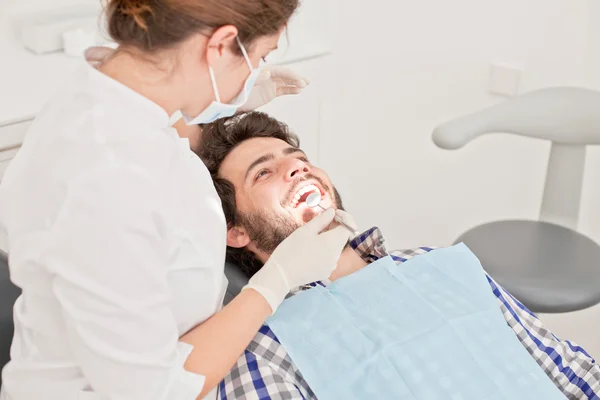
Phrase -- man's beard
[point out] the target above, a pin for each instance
(268, 229)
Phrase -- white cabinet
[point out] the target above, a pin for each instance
(11, 138)
(5, 157)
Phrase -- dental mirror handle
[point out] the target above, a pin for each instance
(314, 200)
(341, 222)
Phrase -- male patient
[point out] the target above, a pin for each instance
(263, 179)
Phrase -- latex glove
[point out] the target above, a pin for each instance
(306, 256)
(97, 55)
(271, 83)
(345, 218)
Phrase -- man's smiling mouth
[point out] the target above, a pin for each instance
(303, 193)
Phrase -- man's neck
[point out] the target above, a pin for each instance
(348, 263)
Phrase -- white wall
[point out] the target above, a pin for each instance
(590, 217)
(401, 67)
(583, 326)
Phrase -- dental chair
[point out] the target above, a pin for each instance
(8, 296)
(551, 268)
(237, 280)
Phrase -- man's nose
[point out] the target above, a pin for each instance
(296, 169)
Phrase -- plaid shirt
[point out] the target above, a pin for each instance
(266, 371)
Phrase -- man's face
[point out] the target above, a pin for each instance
(272, 181)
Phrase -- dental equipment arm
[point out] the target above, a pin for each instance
(561, 115)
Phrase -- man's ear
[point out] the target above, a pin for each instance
(237, 237)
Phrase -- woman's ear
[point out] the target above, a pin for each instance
(237, 237)
(219, 44)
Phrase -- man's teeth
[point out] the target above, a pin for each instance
(302, 192)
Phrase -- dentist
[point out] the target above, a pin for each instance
(116, 233)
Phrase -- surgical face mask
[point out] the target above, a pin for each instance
(217, 109)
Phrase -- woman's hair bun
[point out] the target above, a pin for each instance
(138, 10)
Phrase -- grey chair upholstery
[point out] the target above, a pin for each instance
(8, 295)
(237, 280)
(550, 267)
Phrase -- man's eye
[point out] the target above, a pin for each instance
(261, 173)
(304, 159)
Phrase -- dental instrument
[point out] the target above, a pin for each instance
(314, 200)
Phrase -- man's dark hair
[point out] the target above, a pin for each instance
(218, 140)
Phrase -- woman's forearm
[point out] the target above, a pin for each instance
(220, 340)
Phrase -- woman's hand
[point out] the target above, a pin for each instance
(271, 83)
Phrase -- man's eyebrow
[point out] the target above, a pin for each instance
(292, 150)
(257, 162)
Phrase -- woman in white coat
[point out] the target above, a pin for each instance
(116, 234)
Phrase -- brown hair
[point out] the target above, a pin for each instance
(218, 140)
(152, 25)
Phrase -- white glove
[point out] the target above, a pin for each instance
(271, 83)
(97, 55)
(346, 219)
(306, 256)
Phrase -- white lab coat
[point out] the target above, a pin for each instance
(117, 238)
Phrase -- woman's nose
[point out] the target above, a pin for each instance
(296, 169)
